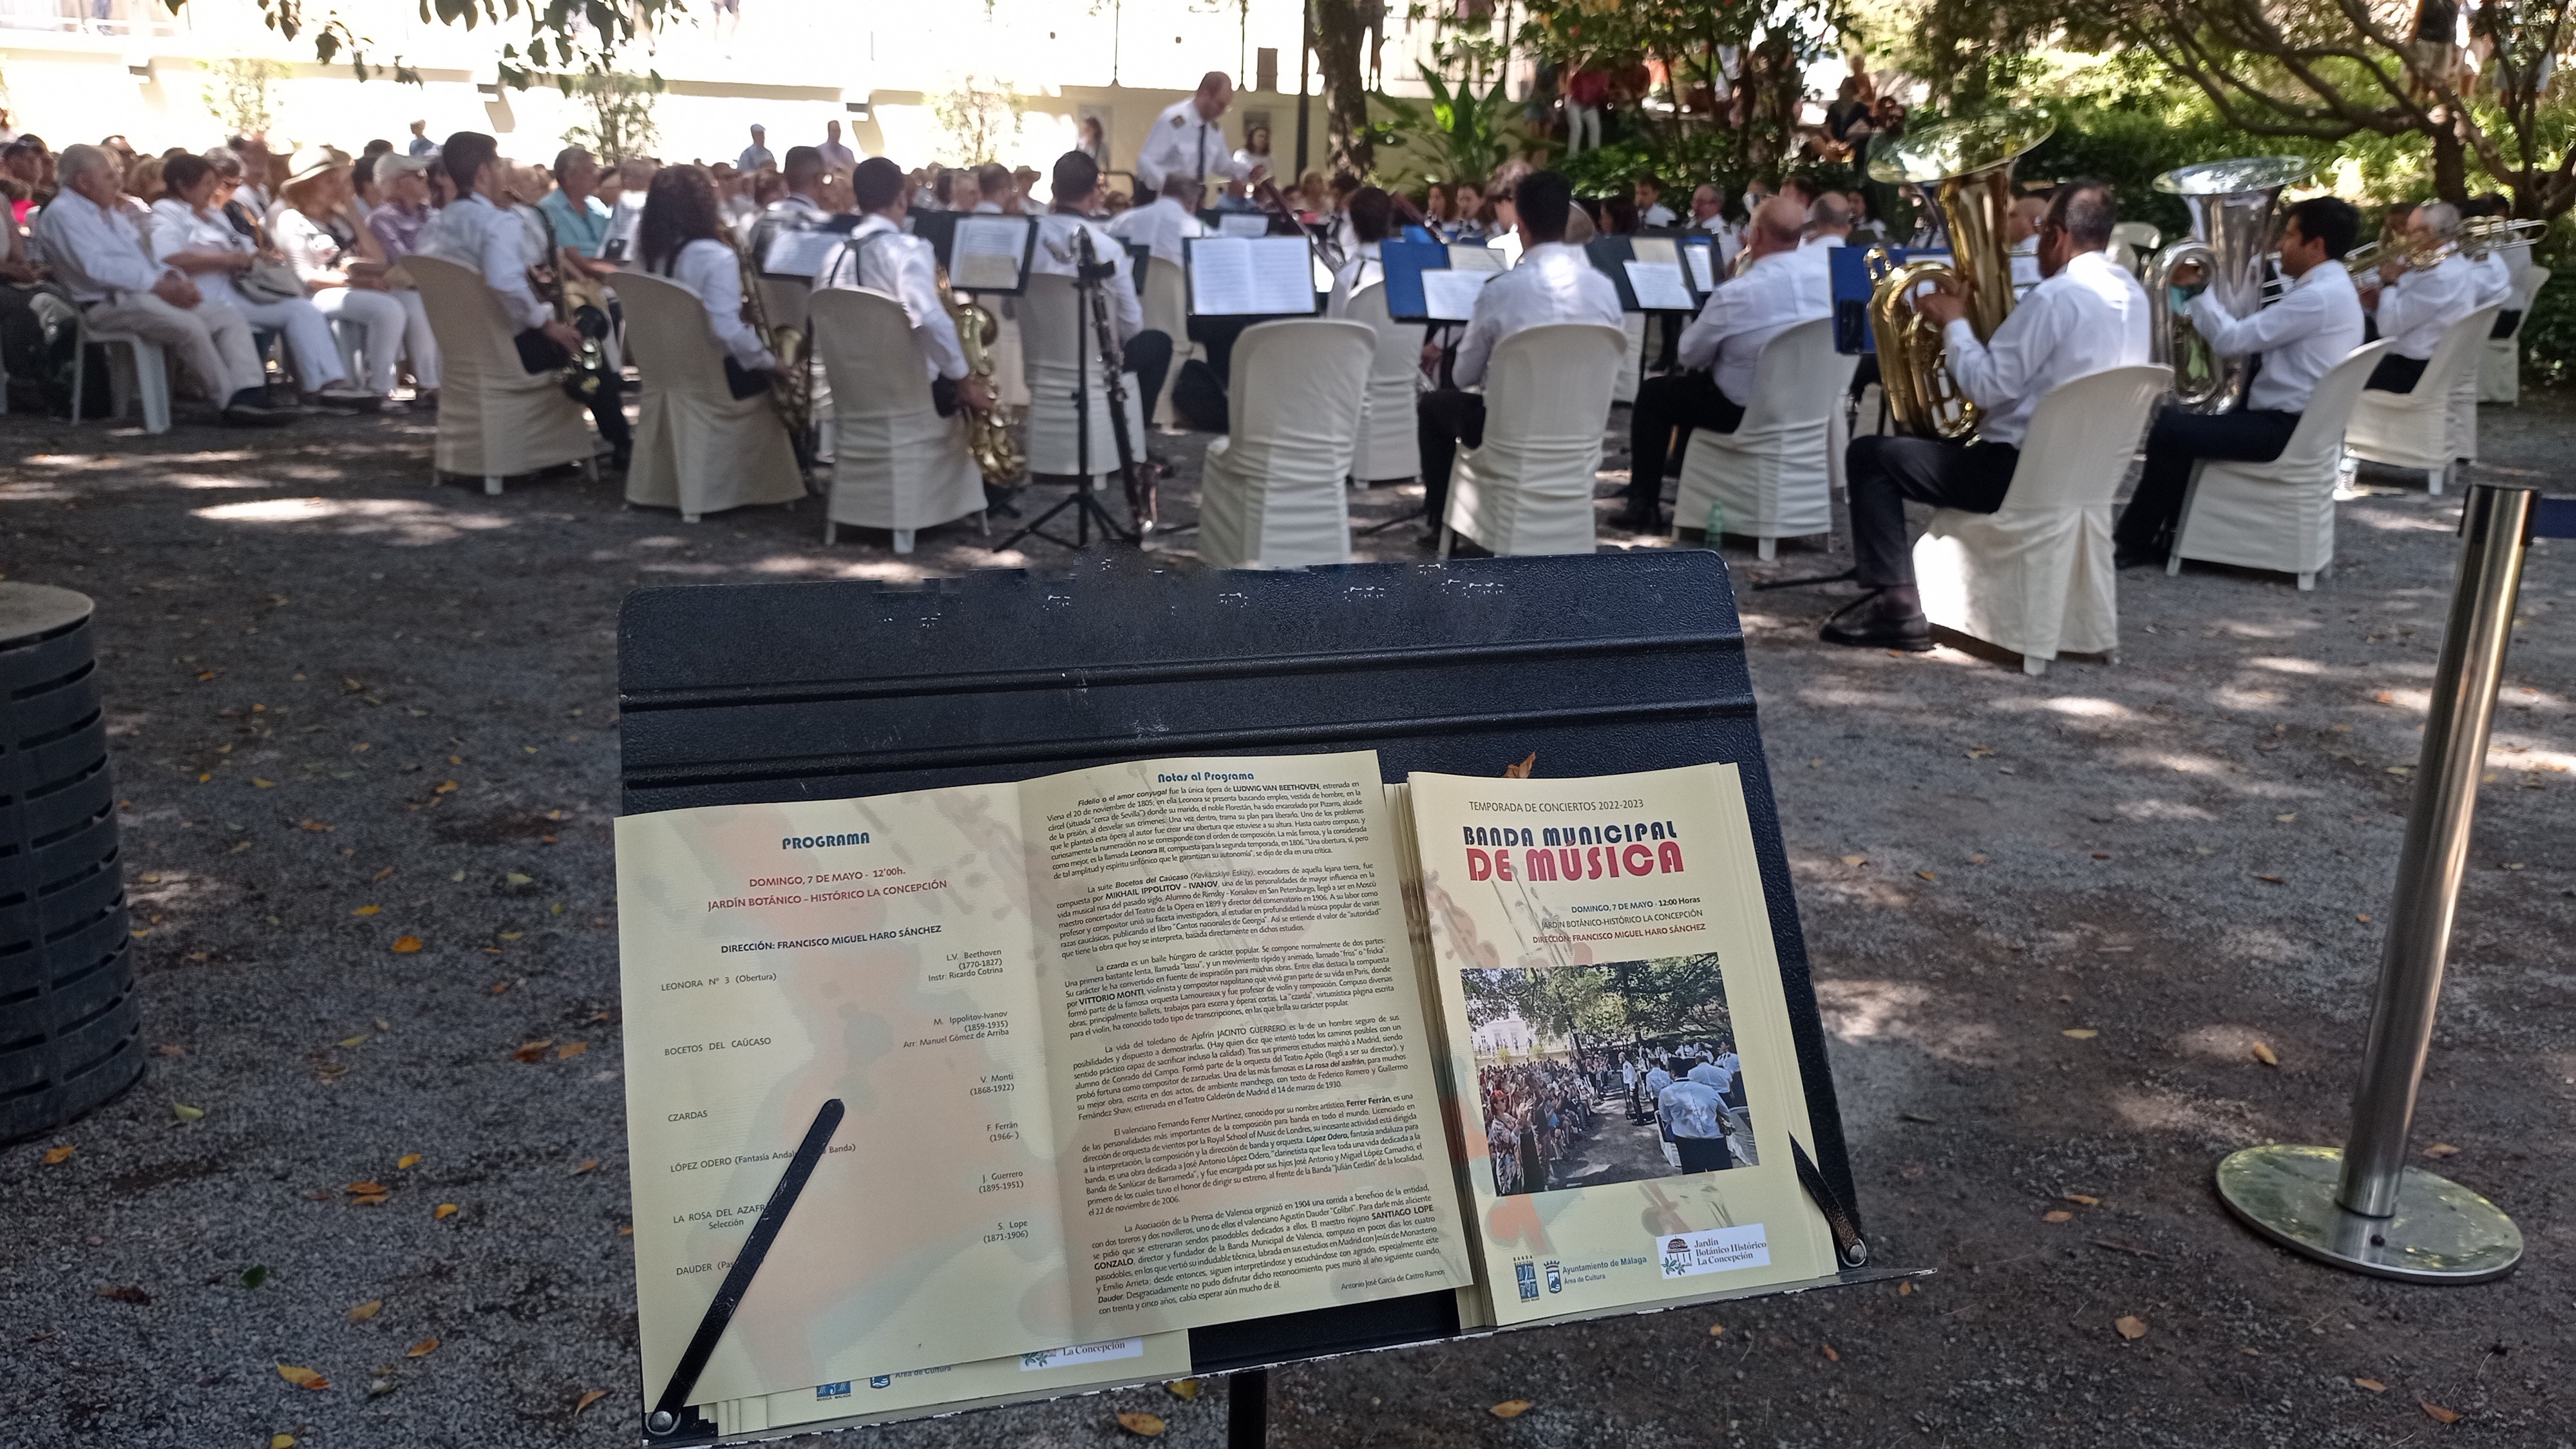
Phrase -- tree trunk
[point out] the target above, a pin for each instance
(2450, 166)
(1341, 39)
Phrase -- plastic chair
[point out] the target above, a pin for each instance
(2035, 575)
(495, 418)
(146, 372)
(1271, 492)
(1528, 487)
(1164, 298)
(900, 465)
(1772, 478)
(2420, 429)
(2278, 515)
(1390, 445)
(2500, 365)
(1632, 363)
(698, 448)
(1047, 335)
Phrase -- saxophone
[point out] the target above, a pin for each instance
(987, 440)
(791, 387)
(580, 303)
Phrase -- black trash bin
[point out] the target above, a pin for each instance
(69, 1021)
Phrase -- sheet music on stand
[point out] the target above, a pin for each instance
(1475, 257)
(1269, 276)
(991, 254)
(1236, 223)
(1647, 270)
(1699, 259)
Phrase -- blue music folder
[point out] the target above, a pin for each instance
(1405, 262)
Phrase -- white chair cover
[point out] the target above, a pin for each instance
(1390, 448)
(1165, 301)
(2278, 515)
(1047, 334)
(2035, 576)
(1271, 493)
(1632, 363)
(1010, 379)
(2500, 367)
(901, 466)
(2418, 429)
(698, 448)
(495, 418)
(1772, 477)
(1528, 489)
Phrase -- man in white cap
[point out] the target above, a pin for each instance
(1186, 140)
(755, 155)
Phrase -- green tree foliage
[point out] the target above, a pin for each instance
(621, 124)
(237, 91)
(1596, 1006)
(1459, 136)
(979, 117)
(560, 39)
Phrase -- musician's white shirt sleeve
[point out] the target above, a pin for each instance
(1359, 271)
(2493, 279)
(1777, 293)
(2089, 318)
(1554, 282)
(1159, 227)
(1180, 140)
(2420, 305)
(1056, 256)
(494, 238)
(713, 272)
(906, 269)
(2315, 324)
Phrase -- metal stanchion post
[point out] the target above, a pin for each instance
(2361, 1207)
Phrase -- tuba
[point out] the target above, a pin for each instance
(791, 388)
(1964, 170)
(2231, 238)
(988, 440)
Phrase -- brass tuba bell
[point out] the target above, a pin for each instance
(2231, 239)
(1964, 170)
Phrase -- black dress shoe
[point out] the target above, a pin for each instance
(1874, 622)
(2137, 558)
(258, 415)
(1636, 522)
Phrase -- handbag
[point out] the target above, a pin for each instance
(269, 279)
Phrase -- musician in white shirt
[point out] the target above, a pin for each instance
(95, 245)
(1651, 210)
(2087, 316)
(682, 240)
(1553, 282)
(1186, 139)
(1163, 224)
(1076, 192)
(879, 256)
(2416, 305)
(799, 210)
(1372, 213)
(2315, 324)
(1717, 353)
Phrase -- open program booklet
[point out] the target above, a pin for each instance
(1155, 1046)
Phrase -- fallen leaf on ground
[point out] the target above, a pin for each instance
(1927, 875)
(571, 1049)
(316, 826)
(407, 1162)
(588, 1399)
(55, 1156)
(1830, 1355)
(1145, 1425)
(2057, 1215)
(388, 870)
(254, 1275)
(263, 784)
(444, 787)
(532, 1051)
(1510, 1409)
(368, 1186)
(369, 1199)
(2087, 1199)
(366, 910)
(421, 1349)
(1717, 1330)
(171, 1049)
(281, 1441)
(2080, 1033)
(350, 1041)
(1520, 771)
(1182, 1388)
(2130, 1325)
(301, 1377)
(518, 878)
(405, 945)
(2266, 1055)
(2374, 1385)
(125, 1293)
(1855, 860)
(2274, 879)
(2441, 1149)
(1904, 1290)
(186, 1113)
(2440, 1415)
(588, 1164)
(445, 1211)
(366, 1310)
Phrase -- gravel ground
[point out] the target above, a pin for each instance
(353, 709)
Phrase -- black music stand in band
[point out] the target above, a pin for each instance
(1087, 280)
(749, 693)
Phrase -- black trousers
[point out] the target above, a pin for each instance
(1148, 354)
(2147, 525)
(1885, 471)
(1445, 419)
(1684, 400)
(1704, 1154)
(2396, 374)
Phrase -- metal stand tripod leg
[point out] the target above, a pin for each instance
(2362, 1208)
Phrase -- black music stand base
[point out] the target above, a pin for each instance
(1086, 512)
(1247, 1409)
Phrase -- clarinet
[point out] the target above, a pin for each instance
(1142, 503)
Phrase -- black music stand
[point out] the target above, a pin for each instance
(1087, 280)
(746, 693)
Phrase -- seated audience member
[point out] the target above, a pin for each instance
(1163, 226)
(579, 218)
(94, 245)
(2416, 305)
(995, 193)
(397, 225)
(1554, 282)
(682, 239)
(1076, 191)
(1718, 353)
(2087, 316)
(1372, 217)
(314, 233)
(190, 235)
(634, 182)
(2315, 324)
(879, 256)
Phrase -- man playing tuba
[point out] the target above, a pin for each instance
(2315, 324)
(879, 256)
(2087, 316)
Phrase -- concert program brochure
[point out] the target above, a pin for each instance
(1161, 1045)
(1578, 927)
(1124, 1051)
